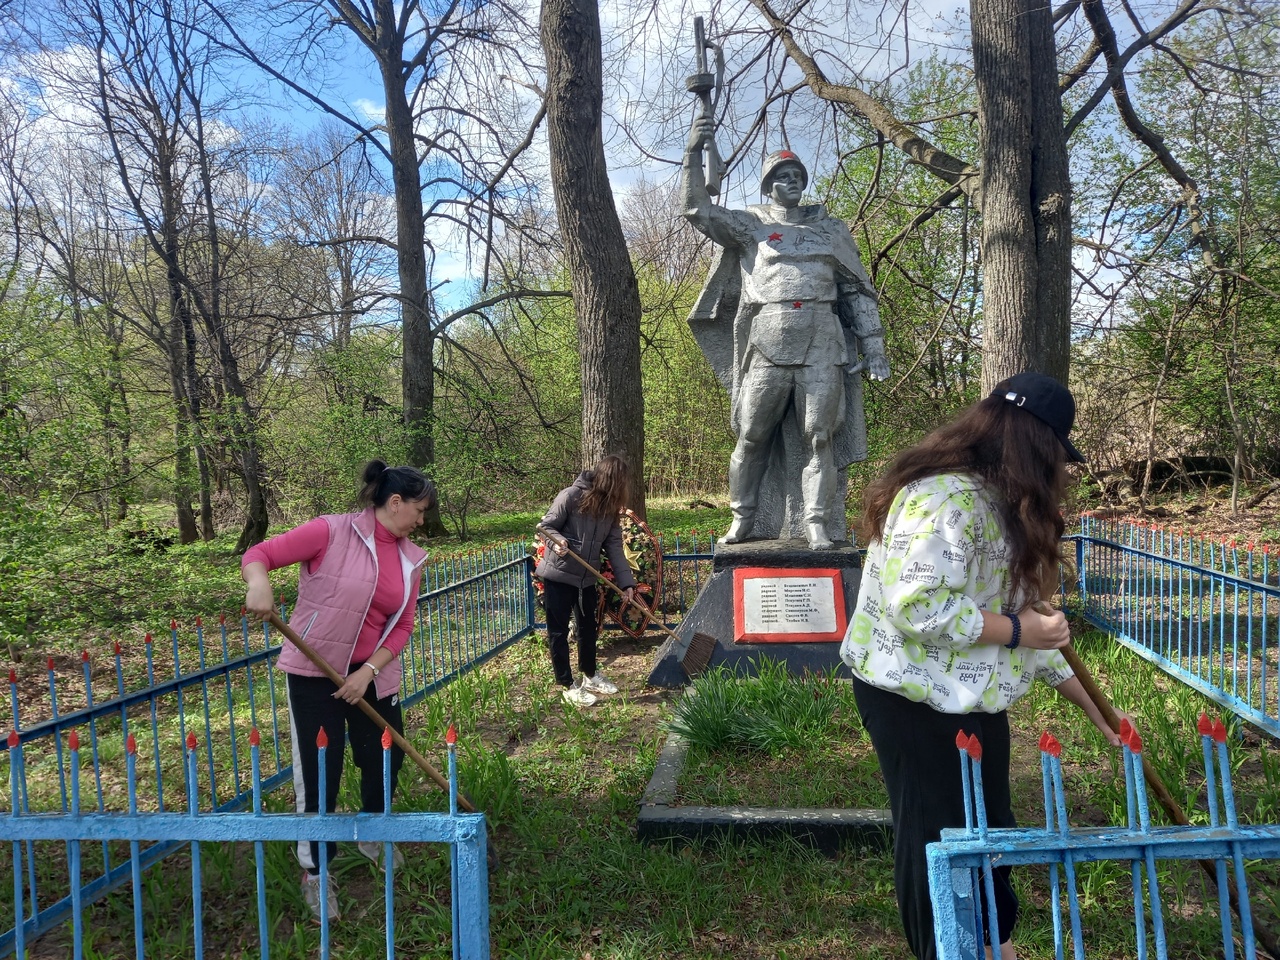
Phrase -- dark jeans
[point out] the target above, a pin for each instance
(562, 602)
(916, 747)
(312, 706)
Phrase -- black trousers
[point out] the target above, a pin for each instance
(916, 747)
(562, 602)
(312, 706)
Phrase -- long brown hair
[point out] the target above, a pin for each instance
(610, 484)
(1018, 457)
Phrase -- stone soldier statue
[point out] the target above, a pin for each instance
(786, 312)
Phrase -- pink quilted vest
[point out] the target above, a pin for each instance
(339, 593)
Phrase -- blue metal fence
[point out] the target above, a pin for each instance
(961, 863)
(190, 824)
(1207, 613)
(224, 684)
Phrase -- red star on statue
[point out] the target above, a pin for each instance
(798, 304)
(775, 237)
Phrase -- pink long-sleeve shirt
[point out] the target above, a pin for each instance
(308, 544)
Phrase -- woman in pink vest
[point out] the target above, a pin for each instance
(359, 577)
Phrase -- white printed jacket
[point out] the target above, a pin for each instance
(941, 560)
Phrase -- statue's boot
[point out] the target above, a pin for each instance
(817, 483)
(817, 536)
(746, 471)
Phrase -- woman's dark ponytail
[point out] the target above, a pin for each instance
(381, 483)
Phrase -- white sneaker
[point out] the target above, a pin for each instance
(311, 896)
(373, 850)
(578, 696)
(599, 685)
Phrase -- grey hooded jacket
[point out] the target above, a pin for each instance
(587, 536)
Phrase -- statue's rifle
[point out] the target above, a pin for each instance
(703, 84)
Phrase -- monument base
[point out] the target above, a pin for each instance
(712, 612)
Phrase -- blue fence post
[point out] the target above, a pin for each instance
(15, 795)
(470, 871)
(322, 745)
(388, 850)
(73, 852)
(135, 861)
(259, 860)
(197, 885)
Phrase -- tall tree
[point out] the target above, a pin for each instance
(605, 293)
(1019, 180)
(1025, 189)
(451, 136)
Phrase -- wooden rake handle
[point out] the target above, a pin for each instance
(648, 611)
(1170, 806)
(291, 635)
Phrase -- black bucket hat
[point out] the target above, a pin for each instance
(1046, 399)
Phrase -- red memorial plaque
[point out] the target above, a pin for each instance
(787, 605)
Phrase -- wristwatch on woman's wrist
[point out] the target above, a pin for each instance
(375, 670)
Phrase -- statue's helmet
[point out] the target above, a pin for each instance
(776, 160)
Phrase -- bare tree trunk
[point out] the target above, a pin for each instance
(1026, 199)
(182, 491)
(418, 365)
(605, 293)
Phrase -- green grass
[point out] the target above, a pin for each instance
(561, 789)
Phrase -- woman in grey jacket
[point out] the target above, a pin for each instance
(583, 518)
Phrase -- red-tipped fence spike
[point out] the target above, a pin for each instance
(974, 748)
(1204, 725)
(962, 740)
(191, 741)
(222, 619)
(147, 639)
(199, 621)
(1126, 728)
(386, 739)
(173, 624)
(131, 744)
(1219, 731)
(13, 739)
(451, 735)
(119, 649)
(1054, 748)
(1044, 741)
(13, 675)
(51, 663)
(73, 740)
(1135, 742)
(255, 738)
(322, 739)
(84, 655)
(243, 611)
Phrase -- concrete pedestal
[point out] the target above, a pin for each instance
(712, 612)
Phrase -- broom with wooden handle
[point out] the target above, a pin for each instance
(1163, 796)
(700, 646)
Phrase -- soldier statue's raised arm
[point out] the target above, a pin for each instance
(786, 312)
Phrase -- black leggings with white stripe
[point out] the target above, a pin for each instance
(312, 706)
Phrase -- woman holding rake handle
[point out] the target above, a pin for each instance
(963, 537)
(359, 580)
(583, 518)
